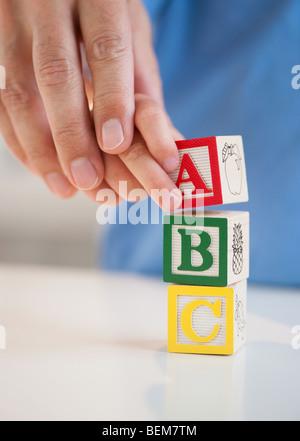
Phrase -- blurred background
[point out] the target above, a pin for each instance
(60, 232)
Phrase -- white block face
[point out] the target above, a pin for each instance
(232, 169)
(240, 314)
(238, 247)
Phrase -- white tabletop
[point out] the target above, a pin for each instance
(82, 345)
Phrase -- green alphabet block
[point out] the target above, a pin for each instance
(207, 250)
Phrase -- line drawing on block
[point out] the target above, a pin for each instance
(240, 318)
(233, 168)
(237, 246)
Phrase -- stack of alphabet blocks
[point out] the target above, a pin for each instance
(206, 253)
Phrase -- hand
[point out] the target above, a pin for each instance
(44, 113)
(137, 166)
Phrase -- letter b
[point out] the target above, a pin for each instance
(202, 248)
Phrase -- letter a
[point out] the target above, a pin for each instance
(193, 175)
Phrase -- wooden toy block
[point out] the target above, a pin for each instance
(207, 250)
(207, 320)
(211, 171)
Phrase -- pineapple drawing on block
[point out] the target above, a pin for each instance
(237, 260)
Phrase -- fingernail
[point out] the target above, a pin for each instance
(112, 134)
(84, 174)
(174, 201)
(58, 184)
(170, 164)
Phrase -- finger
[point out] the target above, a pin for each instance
(106, 33)
(146, 69)
(58, 72)
(11, 140)
(86, 78)
(151, 176)
(120, 179)
(153, 124)
(9, 136)
(26, 113)
(30, 125)
(22, 111)
(104, 194)
(177, 135)
(7, 37)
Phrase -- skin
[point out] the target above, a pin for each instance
(83, 106)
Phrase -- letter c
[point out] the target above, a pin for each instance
(186, 320)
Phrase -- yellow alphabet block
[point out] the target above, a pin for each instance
(207, 320)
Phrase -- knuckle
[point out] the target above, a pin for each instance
(113, 98)
(142, 100)
(134, 153)
(148, 113)
(107, 47)
(151, 183)
(16, 97)
(39, 154)
(56, 72)
(37, 157)
(69, 137)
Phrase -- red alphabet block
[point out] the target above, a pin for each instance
(211, 171)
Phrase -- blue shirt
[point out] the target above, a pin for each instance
(227, 69)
